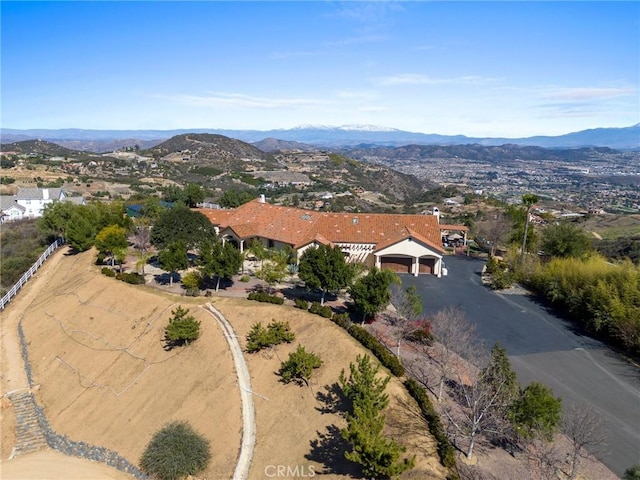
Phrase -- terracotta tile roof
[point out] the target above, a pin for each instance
(298, 227)
(461, 228)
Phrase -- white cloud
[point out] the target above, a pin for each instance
(240, 100)
(588, 93)
(420, 79)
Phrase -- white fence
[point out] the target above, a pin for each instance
(28, 274)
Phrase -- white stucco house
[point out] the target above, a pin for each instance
(403, 243)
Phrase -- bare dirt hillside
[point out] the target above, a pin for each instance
(104, 378)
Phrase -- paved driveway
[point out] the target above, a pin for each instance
(543, 348)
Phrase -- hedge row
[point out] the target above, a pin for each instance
(322, 310)
(265, 298)
(132, 278)
(446, 452)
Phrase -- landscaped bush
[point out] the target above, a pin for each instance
(388, 359)
(245, 278)
(175, 452)
(342, 320)
(301, 304)
(276, 333)
(322, 310)
(446, 452)
(299, 366)
(109, 272)
(502, 279)
(132, 278)
(265, 298)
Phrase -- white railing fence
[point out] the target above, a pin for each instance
(29, 273)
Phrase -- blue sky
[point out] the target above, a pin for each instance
(475, 68)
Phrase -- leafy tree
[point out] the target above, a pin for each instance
(299, 366)
(324, 268)
(175, 452)
(182, 328)
(371, 293)
(80, 232)
(181, 224)
(276, 333)
(221, 261)
(56, 218)
(173, 258)
(632, 473)
(536, 412)
(192, 195)
(529, 200)
(272, 272)
(565, 240)
(111, 240)
(233, 198)
(152, 208)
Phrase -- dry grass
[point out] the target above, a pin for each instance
(96, 345)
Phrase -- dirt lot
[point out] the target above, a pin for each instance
(103, 376)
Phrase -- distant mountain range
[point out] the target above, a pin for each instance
(309, 137)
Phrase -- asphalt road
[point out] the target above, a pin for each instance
(544, 348)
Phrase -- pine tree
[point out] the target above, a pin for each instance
(182, 328)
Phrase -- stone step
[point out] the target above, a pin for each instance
(29, 435)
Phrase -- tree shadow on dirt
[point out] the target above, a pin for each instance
(332, 400)
(328, 449)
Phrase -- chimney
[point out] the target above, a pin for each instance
(45, 194)
(262, 199)
(436, 212)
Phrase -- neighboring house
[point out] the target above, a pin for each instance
(403, 243)
(9, 209)
(35, 199)
(30, 202)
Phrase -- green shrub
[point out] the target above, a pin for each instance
(182, 328)
(175, 452)
(109, 272)
(502, 279)
(245, 278)
(388, 359)
(322, 310)
(342, 320)
(299, 366)
(445, 450)
(301, 304)
(276, 333)
(132, 278)
(265, 298)
(492, 265)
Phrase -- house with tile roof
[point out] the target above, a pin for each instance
(403, 243)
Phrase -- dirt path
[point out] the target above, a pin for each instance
(12, 374)
(246, 394)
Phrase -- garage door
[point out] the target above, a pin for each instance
(427, 265)
(397, 264)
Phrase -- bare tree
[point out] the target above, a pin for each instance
(455, 340)
(482, 397)
(494, 229)
(583, 428)
(405, 321)
(141, 240)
